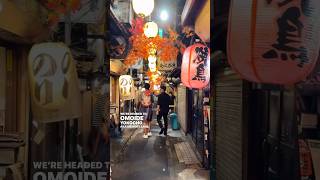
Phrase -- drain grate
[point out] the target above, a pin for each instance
(185, 153)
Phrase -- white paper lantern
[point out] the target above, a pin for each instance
(126, 86)
(152, 63)
(152, 59)
(150, 29)
(143, 7)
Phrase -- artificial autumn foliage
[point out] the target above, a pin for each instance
(155, 77)
(137, 26)
(59, 7)
(141, 45)
(62, 6)
(149, 74)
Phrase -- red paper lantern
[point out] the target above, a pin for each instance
(195, 68)
(274, 41)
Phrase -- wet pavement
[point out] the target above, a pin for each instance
(153, 159)
(119, 143)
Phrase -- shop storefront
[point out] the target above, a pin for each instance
(116, 67)
(307, 97)
(263, 118)
(51, 118)
(193, 111)
(16, 38)
(229, 119)
(14, 106)
(199, 123)
(196, 122)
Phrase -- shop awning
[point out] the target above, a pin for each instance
(191, 10)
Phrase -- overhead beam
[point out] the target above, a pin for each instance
(191, 10)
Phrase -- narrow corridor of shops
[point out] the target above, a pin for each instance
(152, 74)
(153, 158)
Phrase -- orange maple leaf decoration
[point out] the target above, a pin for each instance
(149, 74)
(166, 50)
(59, 7)
(74, 5)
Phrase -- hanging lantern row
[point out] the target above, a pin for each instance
(195, 68)
(152, 49)
(142, 46)
(155, 77)
(279, 44)
(143, 8)
(155, 80)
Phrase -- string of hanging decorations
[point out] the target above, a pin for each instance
(145, 38)
(148, 45)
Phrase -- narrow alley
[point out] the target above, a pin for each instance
(159, 90)
(156, 158)
(150, 80)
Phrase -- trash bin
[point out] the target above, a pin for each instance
(174, 121)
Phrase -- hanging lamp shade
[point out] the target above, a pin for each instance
(195, 68)
(153, 69)
(126, 87)
(150, 29)
(274, 42)
(53, 82)
(152, 63)
(143, 7)
(152, 59)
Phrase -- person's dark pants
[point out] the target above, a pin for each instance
(165, 119)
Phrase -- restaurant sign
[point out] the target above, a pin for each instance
(167, 66)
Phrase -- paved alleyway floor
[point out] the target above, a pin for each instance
(155, 158)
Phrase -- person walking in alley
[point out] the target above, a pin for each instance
(163, 109)
(145, 106)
